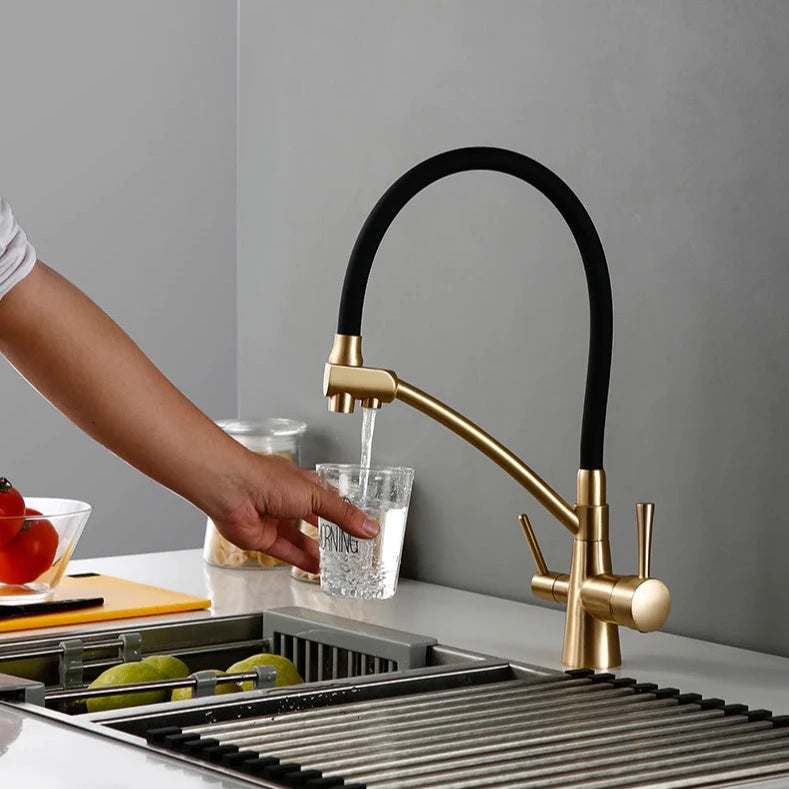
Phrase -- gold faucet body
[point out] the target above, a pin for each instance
(597, 601)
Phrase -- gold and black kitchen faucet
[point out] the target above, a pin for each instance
(596, 600)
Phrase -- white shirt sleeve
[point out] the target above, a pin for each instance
(17, 255)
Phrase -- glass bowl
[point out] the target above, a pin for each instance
(28, 554)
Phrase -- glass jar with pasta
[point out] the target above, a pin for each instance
(273, 436)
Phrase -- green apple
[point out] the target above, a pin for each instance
(168, 666)
(126, 674)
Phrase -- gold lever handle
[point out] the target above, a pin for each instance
(528, 533)
(645, 515)
(545, 584)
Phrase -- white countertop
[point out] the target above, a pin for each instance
(496, 627)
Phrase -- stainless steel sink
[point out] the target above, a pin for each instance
(382, 708)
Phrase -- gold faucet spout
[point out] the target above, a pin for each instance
(497, 452)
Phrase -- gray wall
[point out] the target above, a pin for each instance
(118, 153)
(669, 119)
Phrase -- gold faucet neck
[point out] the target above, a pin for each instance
(590, 485)
(346, 350)
(591, 640)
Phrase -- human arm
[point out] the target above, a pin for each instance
(89, 368)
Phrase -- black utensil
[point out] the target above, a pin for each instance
(48, 607)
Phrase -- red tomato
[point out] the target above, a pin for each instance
(12, 511)
(30, 553)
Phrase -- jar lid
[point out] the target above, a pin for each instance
(274, 427)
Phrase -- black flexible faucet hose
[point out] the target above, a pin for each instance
(598, 370)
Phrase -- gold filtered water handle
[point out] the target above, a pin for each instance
(545, 584)
(645, 515)
(641, 602)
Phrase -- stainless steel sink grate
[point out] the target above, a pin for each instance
(567, 730)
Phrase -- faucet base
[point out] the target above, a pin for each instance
(591, 644)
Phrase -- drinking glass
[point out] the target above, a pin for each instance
(367, 569)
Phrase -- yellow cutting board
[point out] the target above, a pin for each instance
(122, 599)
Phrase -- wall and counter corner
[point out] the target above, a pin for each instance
(667, 119)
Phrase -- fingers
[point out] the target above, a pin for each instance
(327, 504)
(298, 549)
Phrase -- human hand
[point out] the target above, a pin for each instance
(268, 499)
